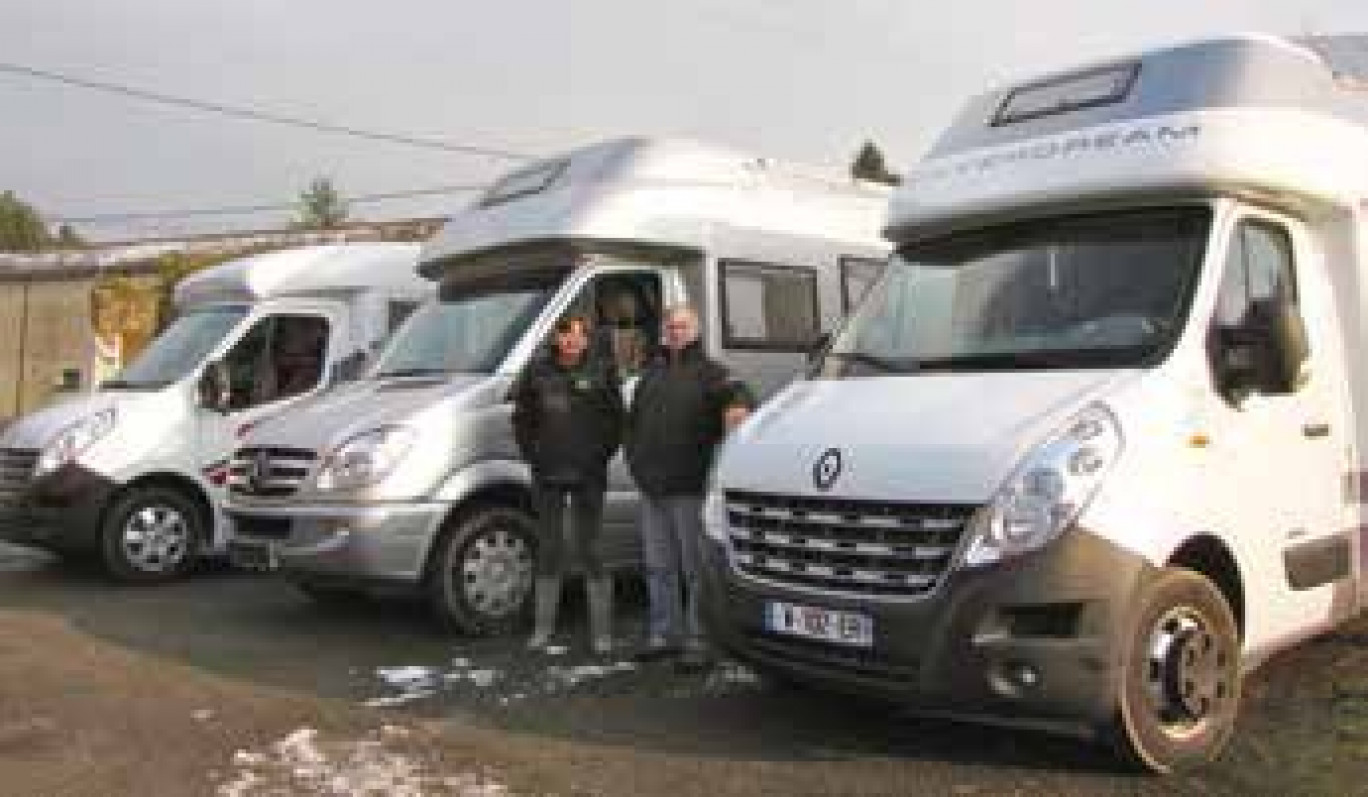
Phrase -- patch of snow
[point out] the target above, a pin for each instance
(556, 650)
(573, 676)
(303, 763)
(483, 678)
(202, 715)
(404, 677)
(385, 701)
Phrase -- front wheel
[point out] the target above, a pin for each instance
(151, 534)
(482, 571)
(1179, 690)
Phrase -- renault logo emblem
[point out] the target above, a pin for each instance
(827, 469)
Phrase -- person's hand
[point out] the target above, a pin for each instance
(734, 415)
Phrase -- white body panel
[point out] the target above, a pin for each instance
(163, 432)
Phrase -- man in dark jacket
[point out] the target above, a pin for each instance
(683, 407)
(567, 418)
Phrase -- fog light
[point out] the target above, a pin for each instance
(1013, 679)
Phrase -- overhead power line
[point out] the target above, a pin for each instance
(259, 116)
(243, 210)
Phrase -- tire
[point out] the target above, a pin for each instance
(1179, 690)
(481, 573)
(151, 535)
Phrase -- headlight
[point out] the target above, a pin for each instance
(1049, 488)
(366, 458)
(75, 440)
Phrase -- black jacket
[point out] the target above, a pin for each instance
(568, 421)
(676, 421)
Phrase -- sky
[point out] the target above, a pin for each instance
(802, 80)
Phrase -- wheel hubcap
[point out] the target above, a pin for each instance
(496, 572)
(156, 538)
(1190, 673)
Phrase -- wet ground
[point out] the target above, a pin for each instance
(622, 728)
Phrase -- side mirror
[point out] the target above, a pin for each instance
(1266, 354)
(214, 388)
(818, 348)
(69, 381)
(351, 367)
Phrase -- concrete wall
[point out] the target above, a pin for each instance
(44, 330)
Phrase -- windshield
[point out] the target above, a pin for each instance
(465, 334)
(1100, 291)
(179, 349)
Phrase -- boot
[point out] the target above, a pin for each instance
(546, 600)
(600, 594)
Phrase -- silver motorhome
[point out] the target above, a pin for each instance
(410, 480)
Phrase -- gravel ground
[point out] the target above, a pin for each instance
(232, 684)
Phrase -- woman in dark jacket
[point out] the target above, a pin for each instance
(567, 418)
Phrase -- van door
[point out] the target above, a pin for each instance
(1287, 449)
(281, 358)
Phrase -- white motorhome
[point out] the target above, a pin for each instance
(411, 481)
(133, 473)
(1092, 447)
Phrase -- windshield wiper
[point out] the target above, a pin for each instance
(871, 360)
(124, 384)
(402, 373)
(1094, 357)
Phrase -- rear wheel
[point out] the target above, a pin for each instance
(1180, 685)
(481, 575)
(151, 534)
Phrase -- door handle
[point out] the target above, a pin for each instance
(1315, 430)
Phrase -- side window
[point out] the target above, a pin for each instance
(768, 307)
(279, 357)
(858, 275)
(1258, 269)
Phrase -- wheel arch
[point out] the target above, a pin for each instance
(496, 493)
(1208, 555)
(172, 481)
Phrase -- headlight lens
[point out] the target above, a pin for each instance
(1049, 489)
(366, 458)
(75, 440)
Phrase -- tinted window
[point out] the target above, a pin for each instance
(279, 357)
(768, 307)
(1258, 268)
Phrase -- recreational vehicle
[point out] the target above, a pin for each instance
(1093, 446)
(133, 473)
(410, 480)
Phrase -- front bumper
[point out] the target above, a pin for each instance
(1037, 639)
(60, 511)
(385, 543)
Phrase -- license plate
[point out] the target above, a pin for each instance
(826, 625)
(254, 556)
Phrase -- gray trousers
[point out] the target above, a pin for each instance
(671, 541)
(586, 521)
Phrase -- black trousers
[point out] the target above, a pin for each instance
(580, 504)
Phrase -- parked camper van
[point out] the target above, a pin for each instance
(411, 480)
(133, 472)
(1091, 449)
